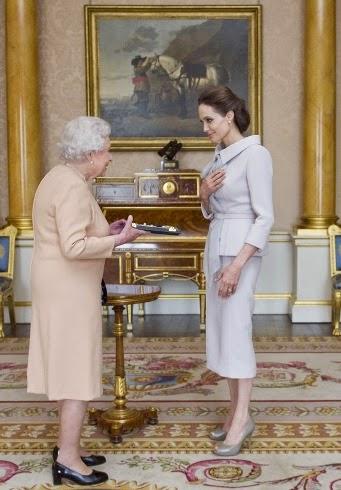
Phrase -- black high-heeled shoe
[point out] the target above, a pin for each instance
(91, 460)
(60, 471)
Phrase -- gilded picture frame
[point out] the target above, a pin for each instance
(334, 232)
(145, 66)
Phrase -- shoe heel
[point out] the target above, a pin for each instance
(248, 440)
(56, 477)
(248, 443)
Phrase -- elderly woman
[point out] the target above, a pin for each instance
(72, 240)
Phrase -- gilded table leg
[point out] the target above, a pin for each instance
(141, 310)
(130, 311)
(120, 419)
(202, 294)
(10, 302)
(120, 378)
(336, 312)
(202, 299)
(129, 280)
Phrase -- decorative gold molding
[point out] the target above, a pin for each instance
(318, 222)
(23, 225)
(309, 302)
(312, 245)
(179, 296)
(23, 304)
(114, 180)
(139, 267)
(159, 276)
(196, 196)
(199, 239)
(25, 241)
(273, 296)
(118, 257)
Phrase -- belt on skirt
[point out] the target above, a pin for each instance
(212, 260)
(234, 216)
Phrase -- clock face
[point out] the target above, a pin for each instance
(169, 187)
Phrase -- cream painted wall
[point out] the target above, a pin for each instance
(62, 82)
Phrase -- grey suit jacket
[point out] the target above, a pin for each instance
(241, 211)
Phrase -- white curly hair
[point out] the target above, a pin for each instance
(82, 135)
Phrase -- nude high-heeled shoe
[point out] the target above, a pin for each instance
(233, 449)
(217, 434)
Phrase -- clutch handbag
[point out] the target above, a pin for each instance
(104, 295)
(159, 229)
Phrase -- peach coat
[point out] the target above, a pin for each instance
(71, 242)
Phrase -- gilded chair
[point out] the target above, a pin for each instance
(334, 232)
(7, 250)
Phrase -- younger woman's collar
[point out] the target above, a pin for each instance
(229, 152)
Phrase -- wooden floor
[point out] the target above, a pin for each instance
(188, 325)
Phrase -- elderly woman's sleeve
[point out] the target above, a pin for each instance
(74, 215)
(259, 178)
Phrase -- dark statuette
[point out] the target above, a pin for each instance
(168, 153)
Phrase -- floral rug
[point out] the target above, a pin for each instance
(296, 405)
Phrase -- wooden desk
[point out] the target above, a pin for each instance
(157, 257)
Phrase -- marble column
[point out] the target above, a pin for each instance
(23, 118)
(319, 168)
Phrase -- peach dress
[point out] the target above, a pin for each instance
(71, 242)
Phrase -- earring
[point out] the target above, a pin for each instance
(91, 162)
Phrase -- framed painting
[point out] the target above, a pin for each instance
(145, 66)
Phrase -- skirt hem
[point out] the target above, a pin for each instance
(50, 397)
(229, 375)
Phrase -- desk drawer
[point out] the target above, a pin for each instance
(165, 262)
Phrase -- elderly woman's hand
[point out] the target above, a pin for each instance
(117, 226)
(211, 184)
(128, 234)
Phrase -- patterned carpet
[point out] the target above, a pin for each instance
(295, 404)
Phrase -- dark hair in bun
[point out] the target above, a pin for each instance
(223, 100)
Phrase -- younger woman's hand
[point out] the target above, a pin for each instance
(228, 279)
(211, 184)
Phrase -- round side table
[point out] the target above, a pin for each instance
(120, 419)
